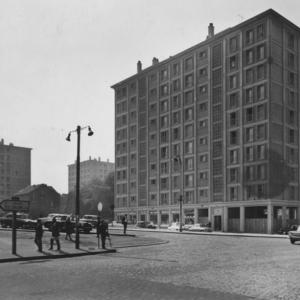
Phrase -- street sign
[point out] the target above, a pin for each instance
(100, 206)
(14, 205)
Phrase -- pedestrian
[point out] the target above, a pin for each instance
(39, 235)
(69, 229)
(102, 232)
(124, 222)
(55, 234)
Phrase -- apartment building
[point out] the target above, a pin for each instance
(15, 169)
(217, 124)
(90, 169)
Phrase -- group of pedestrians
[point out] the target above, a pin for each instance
(101, 227)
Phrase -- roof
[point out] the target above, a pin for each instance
(31, 188)
(269, 12)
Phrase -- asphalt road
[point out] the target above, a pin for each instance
(188, 267)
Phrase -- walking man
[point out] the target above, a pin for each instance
(39, 235)
(124, 222)
(55, 234)
(69, 229)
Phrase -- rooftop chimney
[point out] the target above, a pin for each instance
(155, 61)
(211, 30)
(139, 66)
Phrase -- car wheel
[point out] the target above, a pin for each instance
(292, 241)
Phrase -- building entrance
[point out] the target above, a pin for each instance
(217, 223)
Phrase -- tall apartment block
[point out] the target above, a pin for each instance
(89, 170)
(218, 124)
(15, 169)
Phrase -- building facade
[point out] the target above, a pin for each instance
(218, 124)
(15, 169)
(43, 199)
(89, 170)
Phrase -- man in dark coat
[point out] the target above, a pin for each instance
(102, 231)
(39, 235)
(69, 229)
(55, 234)
(124, 222)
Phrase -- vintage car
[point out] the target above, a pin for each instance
(92, 219)
(85, 227)
(294, 235)
(200, 228)
(145, 224)
(22, 221)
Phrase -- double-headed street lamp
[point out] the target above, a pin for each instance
(180, 163)
(77, 206)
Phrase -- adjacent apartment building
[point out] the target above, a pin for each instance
(15, 169)
(218, 124)
(89, 170)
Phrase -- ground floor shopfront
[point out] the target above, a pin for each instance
(264, 217)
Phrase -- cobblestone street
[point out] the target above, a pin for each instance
(188, 266)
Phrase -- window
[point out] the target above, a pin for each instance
(176, 134)
(249, 57)
(203, 193)
(176, 101)
(291, 116)
(189, 97)
(233, 175)
(164, 74)
(189, 131)
(291, 60)
(291, 136)
(203, 158)
(233, 193)
(291, 98)
(249, 76)
(233, 137)
(203, 175)
(164, 90)
(188, 114)
(164, 106)
(188, 81)
(176, 149)
(164, 168)
(164, 137)
(164, 152)
(203, 54)
(249, 153)
(260, 31)
(189, 64)
(249, 114)
(249, 96)
(176, 118)
(261, 72)
(176, 85)
(233, 44)
(249, 134)
(189, 180)
(164, 121)
(260, 52)
(189, 164)
(189, 197)
(233, 81)
(203, 107)
(261, 112)
(233, 100)
(261, 172)
(261, 92)
(291, 78)
(250, 173)
(291, 40)
(261, 151)
(202, 72)
(233, 156)
(261, 132)
(203, 89)
(233, 119)
(203, 141)
(189, 147)
(176, 69)
(233, 62)
(164, 183)
(249, 37)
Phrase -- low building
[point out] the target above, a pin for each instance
(43, 199)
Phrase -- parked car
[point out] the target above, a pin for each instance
(294, 235)
(200, 228)
(22, 221)
(286, 229)
(174, 226)
(85, 227)
(187, 226)
(92, 219)
(144, 224)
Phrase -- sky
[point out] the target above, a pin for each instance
(59, 59)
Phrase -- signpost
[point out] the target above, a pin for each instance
(14, 205)
(99, 207)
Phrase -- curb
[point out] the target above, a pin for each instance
(28, 258)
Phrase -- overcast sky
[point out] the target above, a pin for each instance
(58, 59)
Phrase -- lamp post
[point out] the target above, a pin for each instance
(180, 163)
(77, 198)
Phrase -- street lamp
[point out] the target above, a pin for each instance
(77, 206)
(180, 163)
